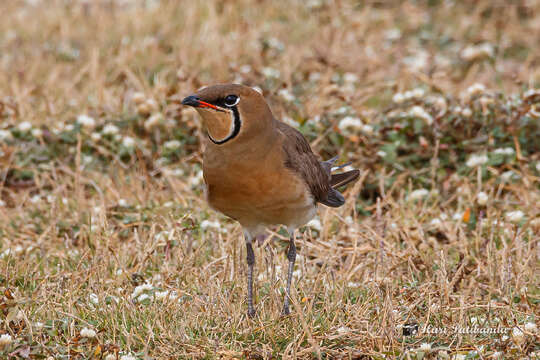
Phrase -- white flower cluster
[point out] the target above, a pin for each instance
(477, 160)
(421, 113)
(417, 93)
(350, 124)
(504, 151)
(418, 194)
(86, 121)
(475, 52)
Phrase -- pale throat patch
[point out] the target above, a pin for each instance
(219, 124)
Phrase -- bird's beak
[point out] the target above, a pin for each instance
(194, 101)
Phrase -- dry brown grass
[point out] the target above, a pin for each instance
(84, 221)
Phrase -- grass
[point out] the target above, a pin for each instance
(94, 207)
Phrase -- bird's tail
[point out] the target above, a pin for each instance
(341, 179)
(335, 199)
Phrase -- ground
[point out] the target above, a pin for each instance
(108, 249)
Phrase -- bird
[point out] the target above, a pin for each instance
(260, 171)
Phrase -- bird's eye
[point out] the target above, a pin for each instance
(231, 100)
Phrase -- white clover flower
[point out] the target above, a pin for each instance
(143, 297)
(531, 327)
(153, 121)
(342, 110)
(5, 135)
(419, 112)
(24, 126)
(440, 102)
(418, 194)
(123, 203)
(86, 121)
(128, 357)
(88, 333)
(436, 222)
(367, 129)
(381, 153)
(138, 98)
(110, 357)
(314, 76)
(350, 123)
(128, 142)
(508, 175)
(418, 93)
(315, 224)
(271, 72)
(95, 136)
(531, 92)
(110, 129)
(140, 289)
(457, 110)
(172, 144)
(482, 198)
(286, 95)
(504, 151)
(457, 216)
(5, 340)
(425, 347)
(473, 52)
(162, 295)
(475, 89)
(35, 199)
(37, 132)
(174, 172)
(467, 112)
(418, 61)
(443, 354)
(197, 179)
(147, 107)
(289, 121)
(207, 224)
(69, 127)
(350, 78)
(515, 216)
(94, 299)
(517, 335)
(408, 95)
(477, 160)
(275, 43)
(398, 98)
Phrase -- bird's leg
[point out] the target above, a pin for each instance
(291, 256)
(250, 261)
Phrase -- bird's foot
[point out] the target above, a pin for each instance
(286, 311)
(251, 313)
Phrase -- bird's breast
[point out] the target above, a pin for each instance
(256, 193)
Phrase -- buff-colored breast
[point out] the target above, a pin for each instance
(258, 194)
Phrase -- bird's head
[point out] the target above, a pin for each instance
(230, 111)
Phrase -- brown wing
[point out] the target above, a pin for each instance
(300, 158)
